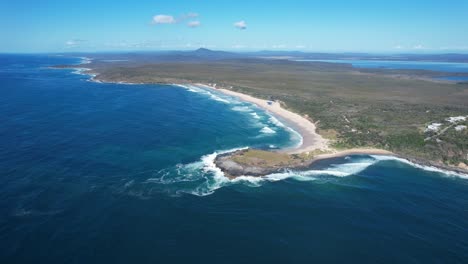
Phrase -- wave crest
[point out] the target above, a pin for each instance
(203, 177)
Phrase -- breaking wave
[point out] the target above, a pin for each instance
(85, 60)
(255, 115)
(267, 130)
(81, 71)
(196, 89)
(276, 122)
(203, 177)
(242, 109)
(440, 171)
(260, 118)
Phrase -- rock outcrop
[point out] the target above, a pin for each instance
(255, 166)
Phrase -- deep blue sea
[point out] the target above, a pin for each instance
(114, 173)
(447, 67)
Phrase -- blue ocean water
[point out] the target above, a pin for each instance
(113, 173)
(455, 78)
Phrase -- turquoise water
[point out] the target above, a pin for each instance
(114, 173)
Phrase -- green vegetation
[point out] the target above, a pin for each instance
(268, 159)
(354, 108)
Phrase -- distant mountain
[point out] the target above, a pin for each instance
(207, 53)
(201, 54)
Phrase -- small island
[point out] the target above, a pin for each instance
(258, 163)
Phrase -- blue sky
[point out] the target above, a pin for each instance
(322, 26)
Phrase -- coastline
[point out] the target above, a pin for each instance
(312, 141)
(354, 151)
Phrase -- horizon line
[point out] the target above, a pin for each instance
(408, 52)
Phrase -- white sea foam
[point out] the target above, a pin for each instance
(218, 179)
(255, 115)
(197, 89)
(180, 85)
(203, 177)
(267, 130)
(423, 167)
(219, 99)
(296, 137)
(193, 90)
(242, 109)
(276, 122)
(85, 60)
(189, 88)
(81, 71)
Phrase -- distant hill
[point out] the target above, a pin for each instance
(207, 53)
(204, 54)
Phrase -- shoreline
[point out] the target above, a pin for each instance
(307, 130)
(354, 151)
(311, 140)
(416, 162)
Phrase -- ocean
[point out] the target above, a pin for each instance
(117, 173)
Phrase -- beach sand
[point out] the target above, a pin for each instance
(310, 139)
(354, 151)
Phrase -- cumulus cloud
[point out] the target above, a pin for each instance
(419, 46)
(164, 19)
(72, 43)
(240, 24)
(170, 19)
(194, 24)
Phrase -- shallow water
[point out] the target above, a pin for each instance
(95, 172)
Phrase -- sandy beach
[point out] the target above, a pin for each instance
(310, 139)
(354, 151)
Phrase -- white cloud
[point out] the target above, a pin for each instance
(73, 43)
(240, 25)
(164, 19)
(70, 43)
(398, 47)
(169, 19)
(419, 46)
(194, 24)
